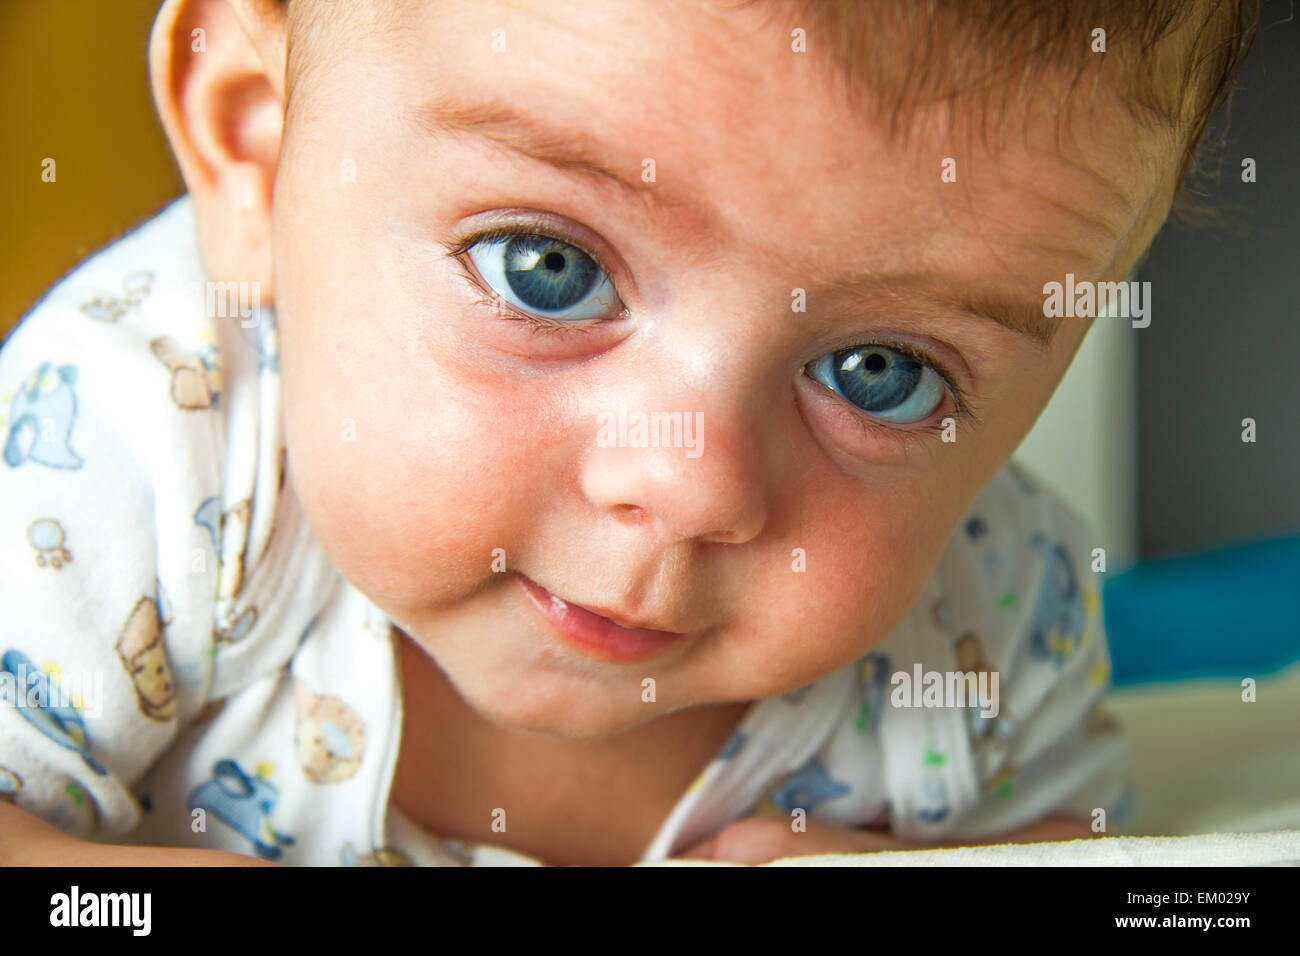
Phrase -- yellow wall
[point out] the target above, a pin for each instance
(74, 87)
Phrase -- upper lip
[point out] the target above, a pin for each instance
(613, 614)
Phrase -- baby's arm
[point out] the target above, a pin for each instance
(108, 570)
(27, 840)
(761, 839)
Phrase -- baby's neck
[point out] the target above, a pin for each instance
(565, 801)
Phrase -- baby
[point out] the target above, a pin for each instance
(579, 432)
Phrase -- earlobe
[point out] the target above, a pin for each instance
(217, 70)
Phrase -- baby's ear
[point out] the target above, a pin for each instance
(217, 70)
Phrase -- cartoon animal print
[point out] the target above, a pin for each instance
(1056, 630)
(38, 426)
(807, 788)
(995, 731)
(194, 384)
(46, 536)
(970, 654)
(74, 809)
(245, 804)
(382, 856)
(933, 804)
(873, 678)
(144, 655)
(1000, 785)
(268, 343)
(328, 736)
(210, 710)
(235, 629)
(229, 534)
(61, 723)
(10, 784)
(1100, 722)
(108, 307)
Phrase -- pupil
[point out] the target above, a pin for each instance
(875, 362)
(554, 261)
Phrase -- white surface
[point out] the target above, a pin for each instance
(1220, 849)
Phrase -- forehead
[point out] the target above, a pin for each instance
(756, 147)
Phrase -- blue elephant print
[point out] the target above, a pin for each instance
(40, 419)
(808, 788)
(244, 803)
(61, 723)
(1056, 630)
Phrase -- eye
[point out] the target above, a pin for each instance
(546, 277)
(881, 381)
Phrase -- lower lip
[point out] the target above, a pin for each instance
(594, 635)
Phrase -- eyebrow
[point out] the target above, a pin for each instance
(1019, 315)
(558, 146)
(562, 148)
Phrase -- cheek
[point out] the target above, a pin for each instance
(867, 552)
(409, 475)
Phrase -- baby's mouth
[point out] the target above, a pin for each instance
(595, 634)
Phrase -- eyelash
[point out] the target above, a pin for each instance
(539, 325)
(535, 323)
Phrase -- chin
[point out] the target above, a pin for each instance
(589, 714)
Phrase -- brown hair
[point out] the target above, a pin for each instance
(1179, 58)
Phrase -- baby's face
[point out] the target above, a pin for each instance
(429, 427)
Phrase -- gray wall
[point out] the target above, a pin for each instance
(1224, 340)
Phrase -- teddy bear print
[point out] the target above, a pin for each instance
(987, 733)
(46, 536)
(109, 307)
(328, 736)
(194, 374)
(140, 646)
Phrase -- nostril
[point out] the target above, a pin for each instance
(634, 513)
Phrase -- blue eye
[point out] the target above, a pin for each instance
(881, 381)
(545, 276)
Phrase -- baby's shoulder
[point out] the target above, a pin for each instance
(1017, 574)
(136, 330)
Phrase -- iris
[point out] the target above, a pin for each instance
(881, 381)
